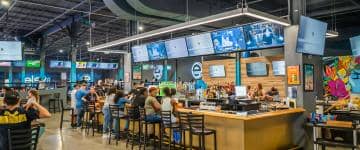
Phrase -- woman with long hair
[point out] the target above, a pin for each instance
(109, 100)
(33, 96)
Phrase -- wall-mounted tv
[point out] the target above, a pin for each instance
(278, 68)
(93, 65)
(217, 71)
(263, 35)
(355, 45)
(228, 40)
(311, 36)
(81, 64)
(32, 63)
(256, 69)
(200, 44)
(57, 64)
(18, 63)
(176, 48)
(140, 53)
(5, 64)
(156, 50)
(10, 51)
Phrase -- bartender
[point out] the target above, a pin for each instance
(272, 95)
(259, 93)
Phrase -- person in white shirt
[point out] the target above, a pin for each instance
(73, 97)
(169, 103)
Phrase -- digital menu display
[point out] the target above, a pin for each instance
(156, 50)
(200, 45)
(228, 40)
(355, 45)
(10, 51)
(278, 68)
(263, 35)
(176, 48)
(256, 69)
(140, 53)
(311, 36)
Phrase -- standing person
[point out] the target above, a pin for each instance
(169, 103)
(152, 106)
(109, 100)
(73, 97)
(33, 97)
(16, 117)
(79, 104)
(259, 92)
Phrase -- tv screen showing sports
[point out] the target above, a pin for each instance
(81, 64)
(57, 64)
(311, 36)
(256, 69)
(32, 63)
(10, 51)
(140, 53)
(113, 66)
(228, 40)
(278, 68)
(18, 63)
(176, 48)
(93, 65)
(156, 50)
(67, 64)
(5, 64)
(217, 71)
(355, 45)
(200, 44)
(263, 35)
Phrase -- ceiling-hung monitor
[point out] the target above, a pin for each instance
(228, 40)
(176, 48)
(278, 68)
(256, 69)
(140, 53)
(200, 44)
(311, 36)
(93, 65)
(81, 64)
(355, 45)
(263, 35)
(57, 64)
(156, 50)
(67, 64)
(217, 71)
(10, 51)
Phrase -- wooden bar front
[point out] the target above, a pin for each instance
(267, 131)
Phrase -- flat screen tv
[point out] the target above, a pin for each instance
(256, 69)
(32, 63)
(18, 63)
(156, 50)
(57, 64)
(140, 53)
(113, 65)
(217, 71)
(67, 64)
(5, 64)
(228, 40)
(263, 35)
(200, 44)
(311, 36)
(278, 68)
(93, 65)
(10, 51)
(81, 64)
(355, 45)
(176, 48)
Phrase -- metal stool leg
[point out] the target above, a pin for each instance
(61, 119)
(215, 142)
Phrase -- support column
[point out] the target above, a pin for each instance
(11, 76)
(42, 58)
(237, 69)
(165, 71)
(73, 30)
(23, 73)
(73, 65)
(92, 75)
(120, 74)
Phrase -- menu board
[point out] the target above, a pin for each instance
(263, 35)
(176, 48)
(355, 45)
(140, 53)
(10, 51)
(200, 45)
(228, 40)
(311, 36)
(293, 75)
(156, 50)
(81, 65)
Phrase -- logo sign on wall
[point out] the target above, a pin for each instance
(196, 70)
(158, 71)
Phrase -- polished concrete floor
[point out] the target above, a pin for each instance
(72, 139)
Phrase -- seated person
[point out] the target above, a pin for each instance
(272, 95)
(152, 106)
(16, 117)
(169, 103)
(121, 101)
(259, 93)
(92, 96)
(140, 97)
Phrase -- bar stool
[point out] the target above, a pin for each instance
(116, 114)
(23, 138)
(197, 127)
(63, 109)
(143, 121)
(184, 127)
(166, 123)
(133, 116)
(91, 117)
(53, 101)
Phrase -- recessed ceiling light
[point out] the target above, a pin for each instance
(5, 3)
(61, 51)
(87, 43)
(141, 28)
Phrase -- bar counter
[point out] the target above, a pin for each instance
(264, 131)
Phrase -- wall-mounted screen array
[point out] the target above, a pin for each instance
(355, 45)
(10, 51)
(83, 65)
(311, 36)
(5, 64)
(278, 68)
(256, 69)
(217, 71)
(241, 38)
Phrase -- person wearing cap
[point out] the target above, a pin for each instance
(152, 106)
(79, 95)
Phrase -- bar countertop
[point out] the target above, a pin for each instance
(249, 117)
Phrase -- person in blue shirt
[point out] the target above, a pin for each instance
(121, 101)
(79, 95)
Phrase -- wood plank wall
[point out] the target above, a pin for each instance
(267, 81)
